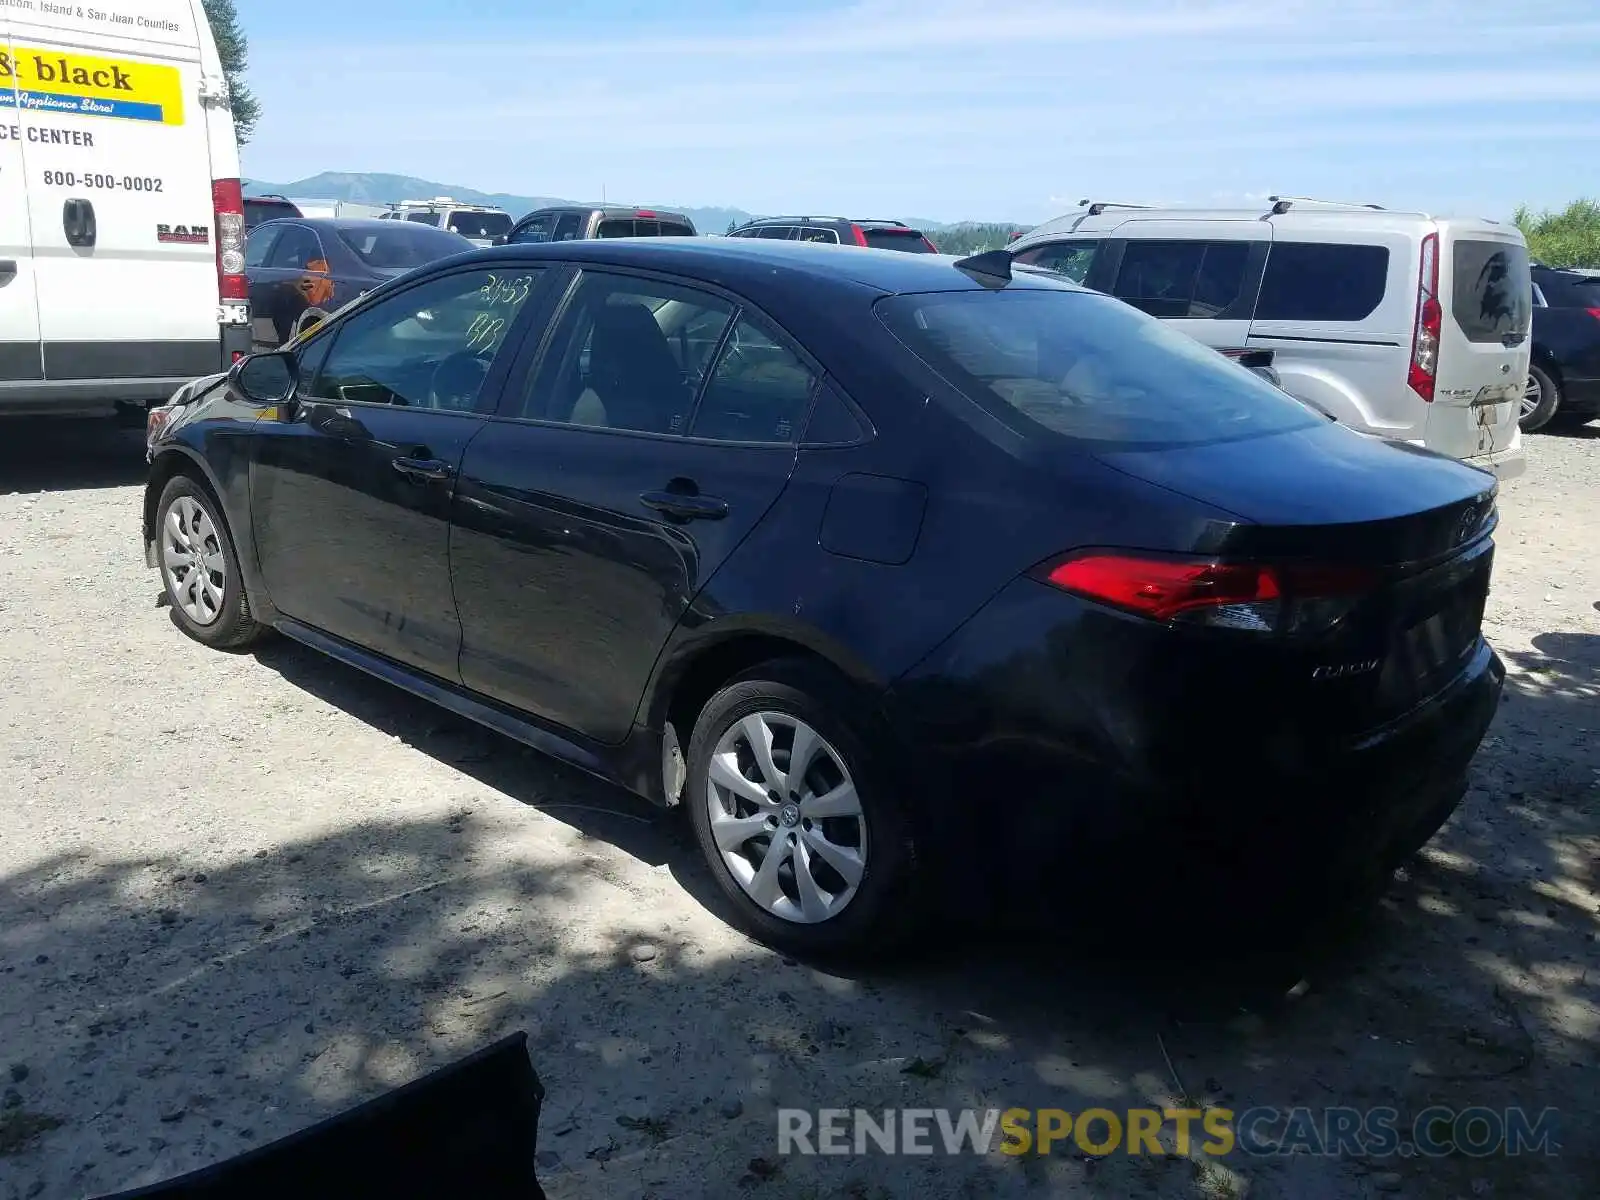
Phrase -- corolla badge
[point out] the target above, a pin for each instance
(1345, 670)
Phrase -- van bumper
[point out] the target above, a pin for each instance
(1503, 464)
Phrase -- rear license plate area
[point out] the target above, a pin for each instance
(1436, 635)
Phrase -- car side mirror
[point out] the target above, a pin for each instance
(265, 378)
(499, 240)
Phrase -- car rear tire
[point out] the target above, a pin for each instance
(822, 866)
(200, 568)
(1540, 401)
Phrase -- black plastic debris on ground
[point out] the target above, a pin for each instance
(466, 1130)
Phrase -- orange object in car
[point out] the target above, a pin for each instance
(317, 288)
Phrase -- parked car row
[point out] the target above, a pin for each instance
(896, 572)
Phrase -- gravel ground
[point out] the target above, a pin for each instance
(238, 893)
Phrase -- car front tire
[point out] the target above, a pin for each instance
(818, 861)
(200, 568)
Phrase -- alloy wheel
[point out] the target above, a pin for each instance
(1532, 394)
(786, 817)
(191, 560)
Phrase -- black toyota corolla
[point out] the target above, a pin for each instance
(892, 569)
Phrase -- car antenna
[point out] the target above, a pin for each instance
(992, 268)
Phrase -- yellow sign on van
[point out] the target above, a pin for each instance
(64, 81)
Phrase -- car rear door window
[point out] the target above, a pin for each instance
(1322, 282)
(1072, 259)
(627, 354)
(760, 390)
(568, 228)
(1055, 364)
(778, 233)
(424, 218)
(1492, 299)
(818, 233)
(297, 249)
(1181, 278)
(430, 346)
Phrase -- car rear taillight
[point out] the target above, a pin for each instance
(859, 234)
(1595, 313)
(227, 203)
(1267, 598)
(1423, 374)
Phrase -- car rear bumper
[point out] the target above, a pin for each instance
(1040, 751)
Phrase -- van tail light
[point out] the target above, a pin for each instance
(1262, 597)
(1423, 375)
(859, 234)
(227, 204)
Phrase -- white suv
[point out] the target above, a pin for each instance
(478, 223)
(1399, 324)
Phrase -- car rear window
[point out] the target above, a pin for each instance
(257, 211)
(1492, 297)
(908, 240)
(1569, 289)
(1075, 365)
(1322, 281)
(615, 227)
(479, 225)
(401, 246)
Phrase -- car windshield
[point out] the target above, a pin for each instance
(481, 225)
(401, 246)
(1067, 364)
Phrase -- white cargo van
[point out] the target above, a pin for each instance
(121, 222)
(1399, 324)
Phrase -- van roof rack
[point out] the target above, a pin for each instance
(1093, 208)
(1282, 204)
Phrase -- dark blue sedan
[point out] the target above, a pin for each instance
(896, 572)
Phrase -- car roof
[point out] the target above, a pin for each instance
(758, 268)
(864, 222)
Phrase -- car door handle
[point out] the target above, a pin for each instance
(422, 470)
(685, 507)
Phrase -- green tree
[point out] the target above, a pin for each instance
(234, 52)
(972, 238)
(1569, 238)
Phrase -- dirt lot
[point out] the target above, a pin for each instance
(238, 893)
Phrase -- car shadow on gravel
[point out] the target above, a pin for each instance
(169, 1012)
(40, 454)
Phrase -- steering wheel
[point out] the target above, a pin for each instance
(457, 381)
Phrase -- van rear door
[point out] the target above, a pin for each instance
(19, 308)
(1486, 293)
(118, 169)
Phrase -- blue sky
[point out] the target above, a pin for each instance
(988, 109)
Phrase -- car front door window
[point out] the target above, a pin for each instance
(429, 347)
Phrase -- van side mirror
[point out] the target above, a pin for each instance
(265, 378)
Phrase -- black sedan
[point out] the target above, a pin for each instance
(303, 269)
(896, 571)
(1564, 375)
